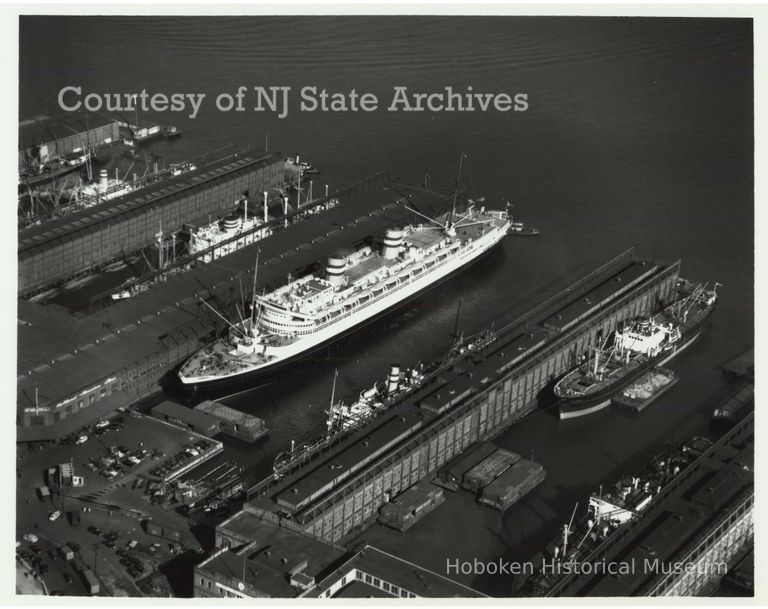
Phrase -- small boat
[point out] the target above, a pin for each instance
(517, 228)
(170, 131)
(520, 230)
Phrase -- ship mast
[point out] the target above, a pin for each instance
(450, 226)
(567, 530)
(253, 290)
(229, 323)
(332, 410)
(456, 337)
(333, 388)
(449, 222)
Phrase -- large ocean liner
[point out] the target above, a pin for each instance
(637, 347)
(302, 316)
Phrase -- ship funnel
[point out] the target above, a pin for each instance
(231, 222)
(393, 241)
(394, 379)
(103, 179)
(335, 269)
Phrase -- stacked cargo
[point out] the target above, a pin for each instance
(411, 506)
(453, 472)
(512, 484)
(490, 468)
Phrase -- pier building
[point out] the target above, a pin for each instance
(76, 243)
(337, 493)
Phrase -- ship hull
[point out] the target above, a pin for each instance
(572, 407)
(267, 374)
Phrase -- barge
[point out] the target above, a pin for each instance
(521, 478)
(646, 390)
(490, 468)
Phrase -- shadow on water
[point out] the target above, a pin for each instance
(532, 520)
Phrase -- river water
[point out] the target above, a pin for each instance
(638, 134)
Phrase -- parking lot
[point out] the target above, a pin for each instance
(109, 540)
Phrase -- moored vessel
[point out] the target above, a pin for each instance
(636, 348)
(302, 316)
(609, 509)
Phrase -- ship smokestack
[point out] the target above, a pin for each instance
(335, 269)
(103, 180)
(393, 242)
(393, 381)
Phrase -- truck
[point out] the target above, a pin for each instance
(66, 552)
(43, 492)
(90, 581)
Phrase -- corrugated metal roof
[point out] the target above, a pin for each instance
(135, 202)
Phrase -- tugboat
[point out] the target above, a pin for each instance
(636, 348)
(518, 229)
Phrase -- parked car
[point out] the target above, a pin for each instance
(54, 515)
(82, 439)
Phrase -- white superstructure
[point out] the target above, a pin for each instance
(355, 287)
(225, 230)
(648, 337)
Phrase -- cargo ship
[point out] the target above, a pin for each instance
(247, 223)
(244, 221)
(638, 347)
(400, 383)
(343, 416)
(303, 316)
(609, 509)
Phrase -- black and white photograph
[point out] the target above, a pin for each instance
(392, 306)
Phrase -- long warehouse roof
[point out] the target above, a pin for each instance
(116, 210)
(112, 338)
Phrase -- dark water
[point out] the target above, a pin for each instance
(639, 133)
